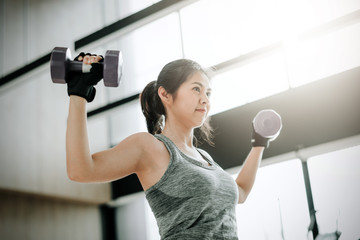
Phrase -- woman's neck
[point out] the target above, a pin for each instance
(181, 136)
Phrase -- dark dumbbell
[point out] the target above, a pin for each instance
(267, 123)
(61, 64)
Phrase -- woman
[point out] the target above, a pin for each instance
(190, 195)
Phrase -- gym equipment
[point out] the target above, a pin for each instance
(61, 64)
(267, 123)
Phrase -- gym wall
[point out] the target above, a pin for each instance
(37, 200)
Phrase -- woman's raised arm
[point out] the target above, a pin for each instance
(104, 166)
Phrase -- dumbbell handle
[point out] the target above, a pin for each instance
(77, 66)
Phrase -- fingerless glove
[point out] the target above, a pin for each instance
(82, 84)
(259, 141)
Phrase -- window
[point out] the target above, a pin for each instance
(248, 83)
(335, 182)
(323, 56)
(277, 206)
(215, 31)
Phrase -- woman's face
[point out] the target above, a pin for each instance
(191, 104)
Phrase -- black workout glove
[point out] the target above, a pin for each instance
(258, 140)
(82, 84)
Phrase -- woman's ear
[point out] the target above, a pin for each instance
(164, 95)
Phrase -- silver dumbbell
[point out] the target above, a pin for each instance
(267, 123)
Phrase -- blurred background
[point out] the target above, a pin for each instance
(298, 57)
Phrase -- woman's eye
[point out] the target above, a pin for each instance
(208, 94)
(196, 89)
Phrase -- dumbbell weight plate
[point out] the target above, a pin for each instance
(58, 64)
(113, 67)
(267, 123)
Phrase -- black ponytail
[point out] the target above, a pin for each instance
(152, 108)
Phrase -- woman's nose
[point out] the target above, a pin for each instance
(205, 99)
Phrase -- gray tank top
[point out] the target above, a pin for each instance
(193, 201)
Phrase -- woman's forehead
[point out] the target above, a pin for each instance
(199, 77)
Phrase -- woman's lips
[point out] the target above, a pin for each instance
(201, 110)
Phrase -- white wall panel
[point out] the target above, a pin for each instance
(146, 50)
(34, 27)
(126, 8)
(126, 120)
(13, 46)
(2, 35)
(60, 23)
(32, 149)
(131, 220)
(110, 11)
(98, 131)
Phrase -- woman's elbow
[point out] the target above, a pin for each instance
(242, 200)
(75, 175)
(77, 178)
(242, 195)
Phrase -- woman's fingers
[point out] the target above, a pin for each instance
(89, 59)
(80, 57)
(98, 58)
(86, 59)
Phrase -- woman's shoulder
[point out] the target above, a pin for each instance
(155, 158)
(146, 141)
(142, 135)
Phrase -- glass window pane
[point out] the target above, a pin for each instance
(217, 30)
(292, 13)
(145, 51)
(323, 56)
(276, 205)
(321, 11)
(335, 183)
(248, 83)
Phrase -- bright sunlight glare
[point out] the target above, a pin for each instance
(215, 31)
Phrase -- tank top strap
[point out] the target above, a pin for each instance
(168, 144)
(174, 156)
(177, 156)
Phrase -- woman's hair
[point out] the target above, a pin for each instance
(170, 78)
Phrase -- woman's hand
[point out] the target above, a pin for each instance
(82, 84)
(89, 58)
